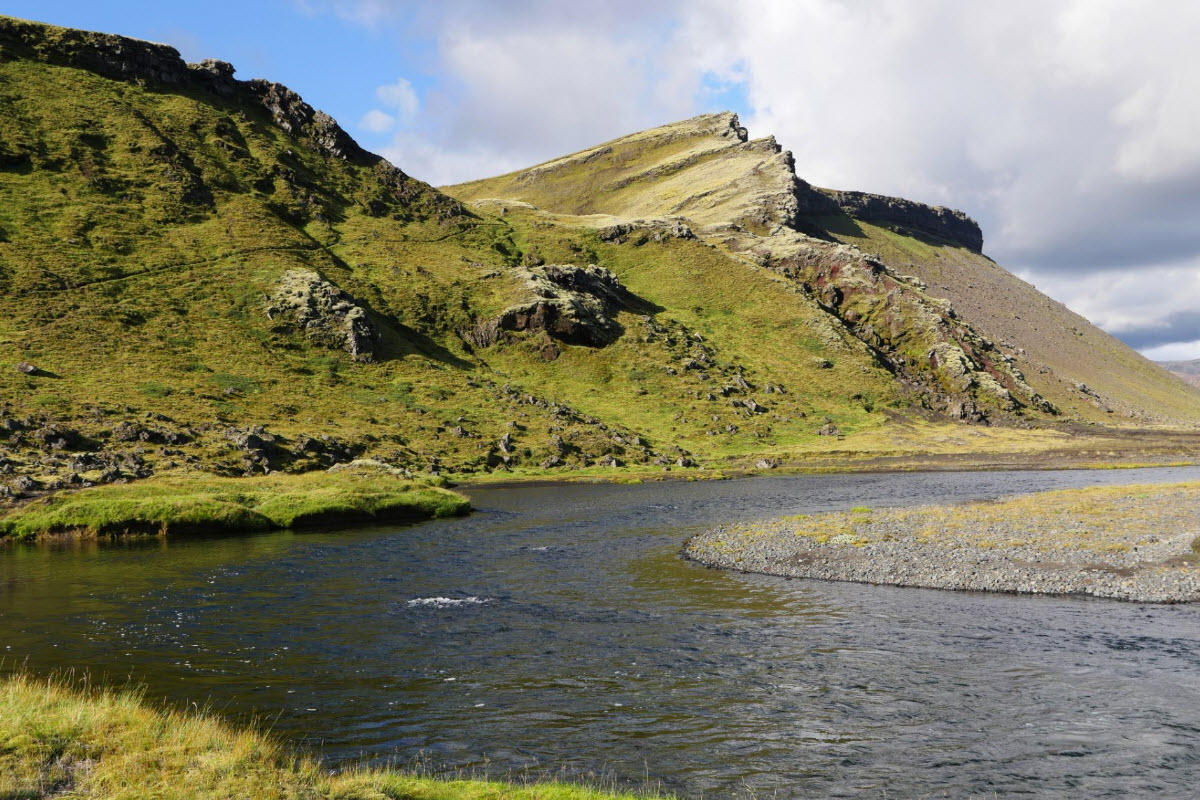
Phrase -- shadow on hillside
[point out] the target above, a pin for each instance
(639, 305)
(399, 341)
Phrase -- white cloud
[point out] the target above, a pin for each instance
(377, 121)
(400, 96)
(1180, 351)
(440, 166)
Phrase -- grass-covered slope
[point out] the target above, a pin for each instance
(199, 272)
(744, 197)
(101, 744)
(153, 233)
(160, 221)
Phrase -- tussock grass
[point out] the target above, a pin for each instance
(1105, 519)
(189, 504)
(56, 741)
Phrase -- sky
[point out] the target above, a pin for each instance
(1070, 129)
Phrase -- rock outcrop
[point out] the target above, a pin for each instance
(912, 218)
(949, 366)
(326, 314)
(572, 304)
(641, 231)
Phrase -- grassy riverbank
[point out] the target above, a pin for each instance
(59, 742)
(1125, 542)
(193, 503)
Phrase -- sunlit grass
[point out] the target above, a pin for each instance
(57, 741)
(197, 503)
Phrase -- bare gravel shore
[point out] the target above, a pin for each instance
(1128, 543)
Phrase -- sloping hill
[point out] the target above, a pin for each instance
(924, 287)
(1188, 370)
(199, 272)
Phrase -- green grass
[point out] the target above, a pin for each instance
(138, 297)
(57, 741)
(177, 505)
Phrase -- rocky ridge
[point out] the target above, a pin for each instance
(947, 364)
(126, 59)
(762, 211)
(911, 218)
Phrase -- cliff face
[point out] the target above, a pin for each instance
(912, 219)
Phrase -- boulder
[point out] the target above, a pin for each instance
(572, 304)
(326, 314)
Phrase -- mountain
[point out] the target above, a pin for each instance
(1188, 370)
(201, 272)
(909, 281)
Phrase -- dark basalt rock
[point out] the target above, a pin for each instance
(301, 120)
(945, 223)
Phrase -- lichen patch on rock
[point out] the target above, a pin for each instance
(324, 313)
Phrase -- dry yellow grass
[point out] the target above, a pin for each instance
(1101, 520)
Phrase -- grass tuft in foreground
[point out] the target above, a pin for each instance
(101, 744)
(191, 504)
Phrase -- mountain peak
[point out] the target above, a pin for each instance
(707, 168)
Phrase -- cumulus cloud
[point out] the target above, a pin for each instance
(1069, 128)
(400, 96)
(377, 121)
(1147, 307)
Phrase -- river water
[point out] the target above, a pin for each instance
(558, 631)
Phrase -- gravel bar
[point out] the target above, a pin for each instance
(1133, 543)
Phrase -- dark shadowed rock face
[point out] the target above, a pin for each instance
(301, 120)
(105, 54)
(937, 221)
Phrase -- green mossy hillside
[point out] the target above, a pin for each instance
(206, 274)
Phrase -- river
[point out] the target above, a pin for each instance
(558, 631)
